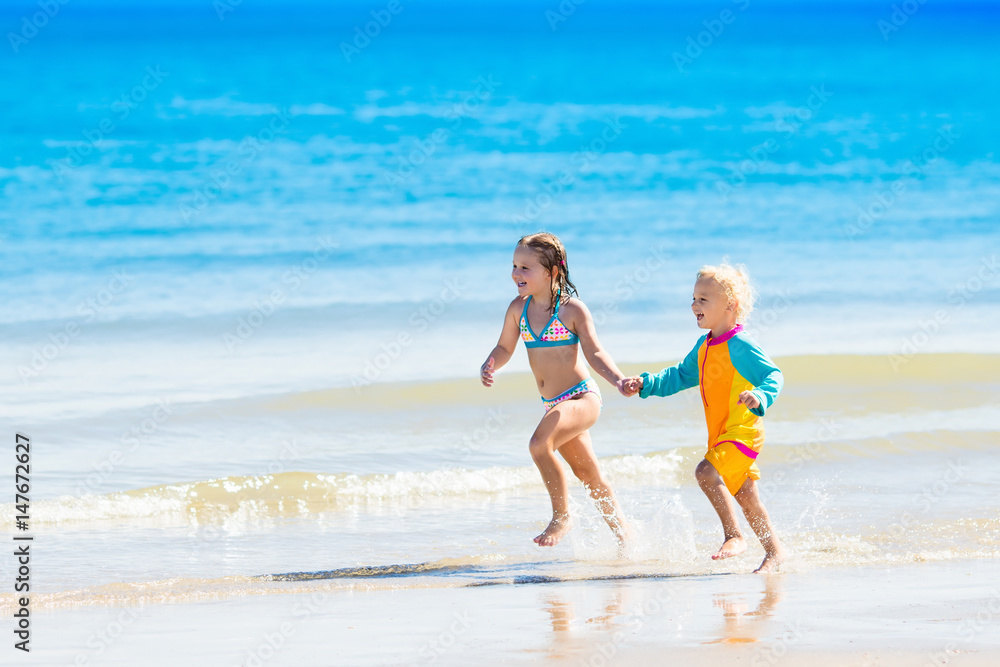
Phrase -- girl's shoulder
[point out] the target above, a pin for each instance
(517, 305)
(575, 314)
(572, 310)
(574, 304)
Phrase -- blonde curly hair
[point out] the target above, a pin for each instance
(735, 281)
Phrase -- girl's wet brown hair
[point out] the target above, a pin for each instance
(551, 255)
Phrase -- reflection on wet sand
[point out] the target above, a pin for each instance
(562, 615)
(628, 614)
(747, 627)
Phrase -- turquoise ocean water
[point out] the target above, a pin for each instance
(209, 210)
(167, 175)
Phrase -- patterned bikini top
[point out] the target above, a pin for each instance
(553, 334)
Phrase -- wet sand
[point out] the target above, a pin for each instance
(919, 614)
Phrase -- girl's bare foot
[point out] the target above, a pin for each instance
(626, 540)
(771, 562)
(555, 531)
(731, 547)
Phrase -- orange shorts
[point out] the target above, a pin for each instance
(735, 463)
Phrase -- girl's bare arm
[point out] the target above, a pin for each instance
(505, 347)
(598, 358)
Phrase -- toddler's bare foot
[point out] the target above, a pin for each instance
(771, 562)
(555, 531)
(731, 547)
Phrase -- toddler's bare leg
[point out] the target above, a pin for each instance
(711, 483)
(753, 510)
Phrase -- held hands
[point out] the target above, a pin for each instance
(486, 373)
(630, 386)
(749, 399)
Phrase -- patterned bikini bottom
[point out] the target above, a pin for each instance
(588, 386)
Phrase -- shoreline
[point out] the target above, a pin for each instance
(903, 615)
(955, 367)
(516, 384)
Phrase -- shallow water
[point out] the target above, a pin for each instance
(864, 465)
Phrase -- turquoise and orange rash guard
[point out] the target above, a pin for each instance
(723, 368)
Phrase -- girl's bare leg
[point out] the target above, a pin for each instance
(565, 421)
(579, 453)
(753, 510)
(711, 483)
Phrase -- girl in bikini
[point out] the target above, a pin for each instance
(545, 305)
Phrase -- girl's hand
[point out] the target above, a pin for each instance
(630, 386)
(486, 372)
(749, 399)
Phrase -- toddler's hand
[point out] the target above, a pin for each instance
(749, 399)
(486, 372)
(630, 386)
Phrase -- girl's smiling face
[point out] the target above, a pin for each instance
(529, 275)
(711, 307)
